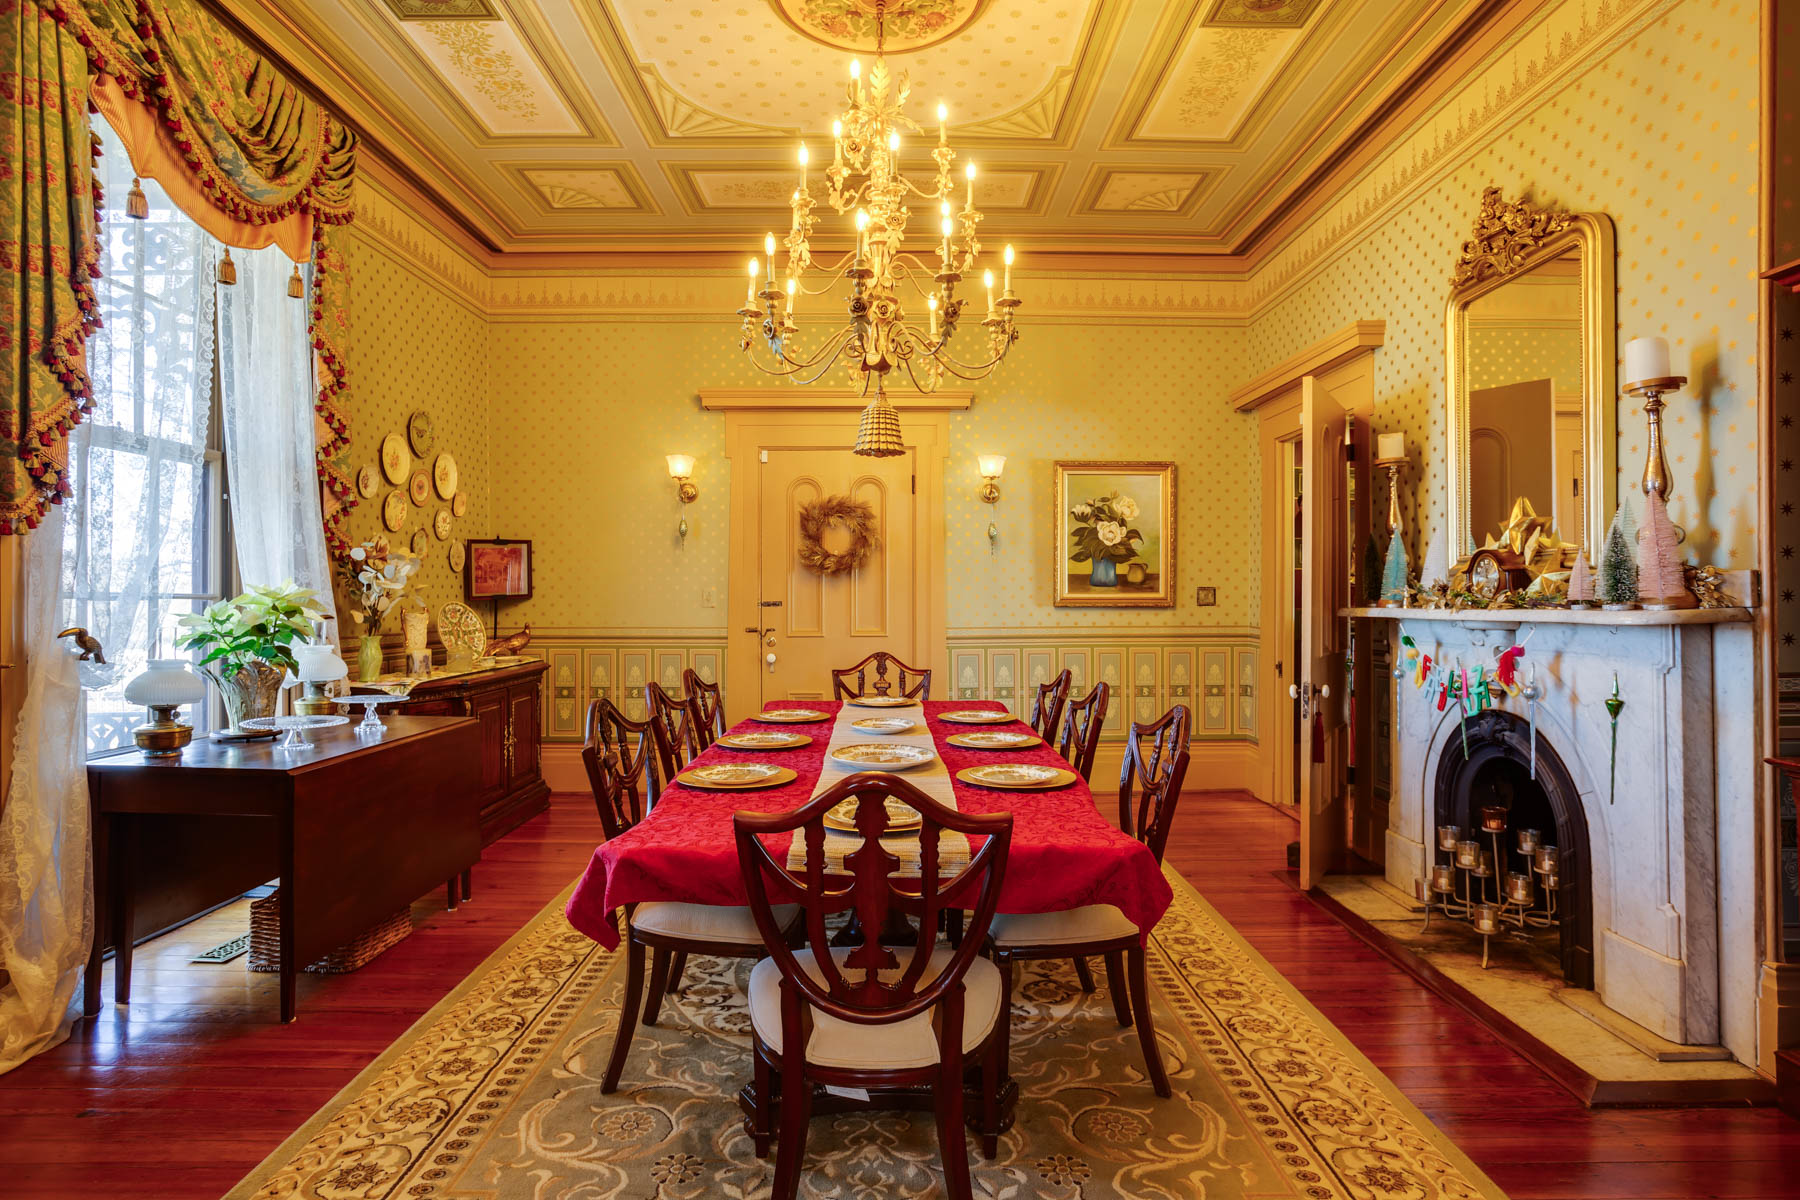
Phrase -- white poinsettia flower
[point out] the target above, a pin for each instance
(1109, 532)
(1126, 507)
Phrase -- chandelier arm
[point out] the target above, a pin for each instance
(827, 352)
(957, 367)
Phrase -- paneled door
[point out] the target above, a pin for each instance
(1320, 685)
(811, 623)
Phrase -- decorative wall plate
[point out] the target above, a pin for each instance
(459, 505)
(977, 716)
(443, 476)
(419, 487)
(883, 756)
(366, 482)
(459, 554)
(1029, 776)
(393, 510)
(419, 433)
(396, 460)
(440, 524)
(460, 630)
(421, 542)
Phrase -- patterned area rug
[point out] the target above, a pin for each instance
(496, 1094)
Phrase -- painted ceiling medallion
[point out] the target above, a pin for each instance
(1273, 14)
(853, 24)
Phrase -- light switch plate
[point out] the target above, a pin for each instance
(707, 598)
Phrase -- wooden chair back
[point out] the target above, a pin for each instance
(912, 682)
(1047, 706)
(672, 729)
(1081, 730)
(867, 881)
(617, 754)
(707, 701)
(1156, 762)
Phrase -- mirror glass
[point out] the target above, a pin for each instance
(1524, 381)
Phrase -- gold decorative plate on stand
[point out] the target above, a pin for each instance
(396, 460)
(460, 629)
(882, 702)
(757, 739)
(736, 777)
(994, 739)
(443, 476)
(393, 510)
(883, 756)
(884, 725)
(902, 817)
(791, 716)
(977, 716)
(1027, 777)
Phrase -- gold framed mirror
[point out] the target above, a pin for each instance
(1531, 375)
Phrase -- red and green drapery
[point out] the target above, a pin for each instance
(235, 144)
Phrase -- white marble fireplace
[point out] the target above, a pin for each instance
(1672, 855)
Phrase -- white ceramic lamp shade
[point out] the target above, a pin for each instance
(166, 682)
(319, 664)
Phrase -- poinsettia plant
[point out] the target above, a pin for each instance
(1103, 529)
(258, 626)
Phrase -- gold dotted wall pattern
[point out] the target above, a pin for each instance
(1647, 112)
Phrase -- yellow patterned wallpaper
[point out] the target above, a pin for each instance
(1643, 109)
(417, 342)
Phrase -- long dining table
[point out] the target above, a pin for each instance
(1064, 854)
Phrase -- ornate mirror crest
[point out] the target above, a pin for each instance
(1530, 330)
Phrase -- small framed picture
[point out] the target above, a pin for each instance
(498, 568)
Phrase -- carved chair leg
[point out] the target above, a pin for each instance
(675, 970)
(659, 984)
(1140, 1009)
(1115, 984)
(634, 983)
(953, 1143)
(790, 1144)
(763, 1119)
(1003, 1025)
(993, 1073)
(1086, 976)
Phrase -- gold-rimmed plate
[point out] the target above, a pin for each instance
(883, 756)
(736, 777)
(882, 702)
(883, 725)
(791, 716)
(1029, 777)
(977, 716)
(762, 739)
(994, 739)
(902, 817)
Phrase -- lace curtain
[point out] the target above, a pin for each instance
(265, 379)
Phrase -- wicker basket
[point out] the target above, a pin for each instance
(265, 939)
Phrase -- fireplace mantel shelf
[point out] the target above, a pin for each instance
(1513, 617)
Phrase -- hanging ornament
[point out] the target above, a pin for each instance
(1462, 707)
(1532, 694)
(1484, 696)
(1506, 668)
(227, 269)
(136, 205)
(296, 285)
(1424, 671)
(1613, 705)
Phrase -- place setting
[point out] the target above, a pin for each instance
(883, 756)
(736, 776)
(884, 725)
(994, 739)
(790, 716)
(1018, 777)
(762, 739)
(882, 702)
(977, 716)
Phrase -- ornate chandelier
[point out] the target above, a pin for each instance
(866, 183)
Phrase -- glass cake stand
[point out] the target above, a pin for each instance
(370, 725)
(295, 727)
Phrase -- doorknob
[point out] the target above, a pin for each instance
(770, 659)
(1324, 691)
(1293, 691)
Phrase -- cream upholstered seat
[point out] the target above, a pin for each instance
(704, 922)
(908, 1043)
(1090, 923)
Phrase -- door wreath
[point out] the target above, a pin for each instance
(854, 517)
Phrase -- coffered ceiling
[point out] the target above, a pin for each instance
(1121, 126)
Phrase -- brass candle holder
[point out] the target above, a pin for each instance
(1656, 463)
(1480, 885)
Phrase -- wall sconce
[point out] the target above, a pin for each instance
(991, 465)
(681, 468)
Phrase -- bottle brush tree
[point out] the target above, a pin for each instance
(1393, 572)
(1618, 562)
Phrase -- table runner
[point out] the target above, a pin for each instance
(1064, 854)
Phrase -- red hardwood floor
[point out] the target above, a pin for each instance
(191, 1088)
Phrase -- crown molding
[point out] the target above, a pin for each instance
(1353, 339)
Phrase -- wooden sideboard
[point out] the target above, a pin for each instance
(507, 702)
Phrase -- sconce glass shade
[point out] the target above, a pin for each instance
(991, 465)
(681, 466)
(166, 683)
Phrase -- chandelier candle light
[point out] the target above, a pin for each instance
(879, 333)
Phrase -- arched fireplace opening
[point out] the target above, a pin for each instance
(1490, 795)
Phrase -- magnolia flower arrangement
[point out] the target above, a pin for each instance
(256, 627)
(1103, 529)
(376, 577)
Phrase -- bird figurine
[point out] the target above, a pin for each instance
(511, 643)
(89, 644)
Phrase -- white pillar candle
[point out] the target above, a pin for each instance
(1646, 358)
(1392, 445)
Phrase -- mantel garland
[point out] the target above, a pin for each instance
(854, 517)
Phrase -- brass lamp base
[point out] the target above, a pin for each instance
(313, 702)
(163, 736)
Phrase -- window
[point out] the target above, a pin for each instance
(147, 537)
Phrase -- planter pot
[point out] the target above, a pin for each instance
(249, 691)
(1105, 573)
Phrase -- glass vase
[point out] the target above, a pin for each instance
(249, 691)
(368, 659)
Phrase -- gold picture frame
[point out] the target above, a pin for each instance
(1113, 531)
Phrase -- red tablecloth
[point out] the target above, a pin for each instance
(1064, 853)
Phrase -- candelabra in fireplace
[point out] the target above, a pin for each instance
(1478, 885)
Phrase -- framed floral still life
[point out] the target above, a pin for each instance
(498, 568)
(1115, 535)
